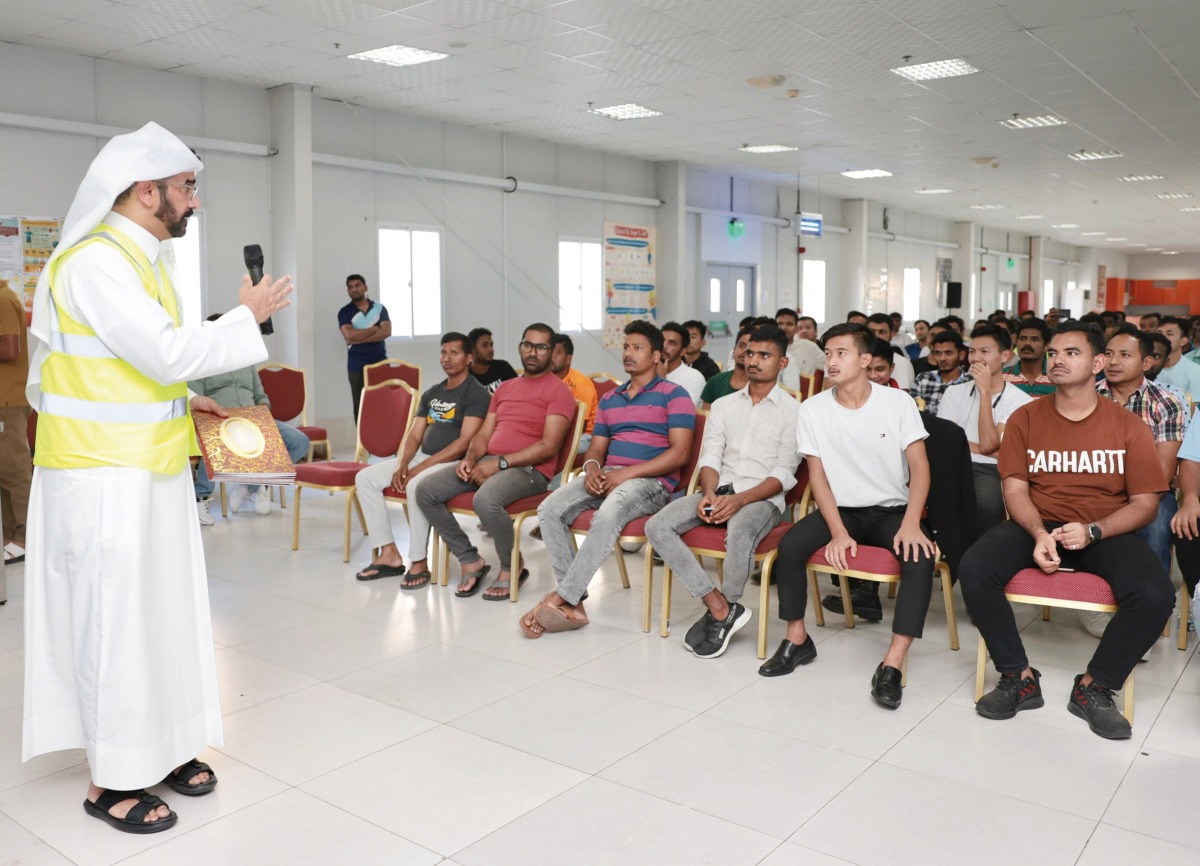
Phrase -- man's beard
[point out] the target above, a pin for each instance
(176, 225)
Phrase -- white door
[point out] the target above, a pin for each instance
(727, 294)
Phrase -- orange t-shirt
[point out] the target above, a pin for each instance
(584, 390)
(1080, 471)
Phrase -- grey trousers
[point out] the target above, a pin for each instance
(371, 483)
(491, 498)
(742, 534)
(574, 571)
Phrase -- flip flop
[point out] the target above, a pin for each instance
(190, 770)
(422, 576)
(134, 821)
(477, 585)
(554, 619)
(525, 629)
(521, 578)
(380, 570)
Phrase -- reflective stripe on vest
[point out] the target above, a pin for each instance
(97, 409)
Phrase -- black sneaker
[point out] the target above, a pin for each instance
(719, 632)
(696, 634)
(1011, 695)
(1094, 704)
(865, 602)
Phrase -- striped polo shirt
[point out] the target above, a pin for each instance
(639, 429)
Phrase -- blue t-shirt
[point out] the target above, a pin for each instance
(1190, 449)
(359, 355)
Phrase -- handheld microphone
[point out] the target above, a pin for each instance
(252, 254)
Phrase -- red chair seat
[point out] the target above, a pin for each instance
(713, 538)
(315, 434)
(466, 502)
(1078, 586)
(635, 528)
(394, 494)
(339, 473)
(872, 560)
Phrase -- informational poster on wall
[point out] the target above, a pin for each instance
(26, 244)
(629, 279)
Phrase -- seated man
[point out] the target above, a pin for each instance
(485, 367)
(675, 337)
(582, 388)
(884, 327)
(693, 353)
(1080, 476)
(804, 355)
(240, 388)
(643, 436)
(870, 479)
(882, 364)
(981, 409)
(1186, 523)
(747, 463)
(512, 456)
(1028, 371)
(731, 380)
(946, 352)
(447, 418)
(1177, 370)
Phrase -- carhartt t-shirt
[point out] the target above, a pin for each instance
(862, 450)
(960, 404)
(522, 406)
(444, 409)
(1080, 471)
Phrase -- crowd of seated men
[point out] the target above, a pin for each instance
(1076, 450)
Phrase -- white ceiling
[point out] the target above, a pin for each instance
(1125, 73)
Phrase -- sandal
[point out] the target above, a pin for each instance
(478, 577)
(134, 821)
(521, 578)
(555, 619)
(526, 629)
(380, 570)
(422, 578)
(180, 781)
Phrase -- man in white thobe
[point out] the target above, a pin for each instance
(118, 639)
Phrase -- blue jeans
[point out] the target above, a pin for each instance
(294, 441)
(1157, 534)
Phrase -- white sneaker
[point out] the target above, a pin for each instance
(262, 500)
(1095, 621)
(204, 512)
(13, 553)
(237, 498)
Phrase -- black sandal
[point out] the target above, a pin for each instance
(380, 571)
(478, 577)
(521, 578)
(134, 821)
(422, 578)
(190, 770)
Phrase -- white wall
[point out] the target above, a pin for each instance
(1154, 266)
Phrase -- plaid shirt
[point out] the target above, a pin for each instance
(930, 388)
(1164, 412)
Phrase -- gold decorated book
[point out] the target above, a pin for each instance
(245, 448)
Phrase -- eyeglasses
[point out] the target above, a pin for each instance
(540, 348)
(192, 190)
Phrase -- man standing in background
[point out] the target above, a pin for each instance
(365, 326)
(16, 470)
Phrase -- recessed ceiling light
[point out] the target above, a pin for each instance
(398, 55)
(1039, 122)
(1154, 249)
(862, 173)
(1170, 252)
(1133, 178)
(933, 191)
(767, 148)
(1115, 240)
(1192, 209)
(937, 69)
(627, 111)
(1168, 196)
(1091, 234)
(1088, 155)
(987, 207)
(1137, 245)
(1031, 216)
(1065, 226)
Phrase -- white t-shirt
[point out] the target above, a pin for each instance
(862, 450)
(806, 356)
(689, 379)
(903, 372)
(960, 404)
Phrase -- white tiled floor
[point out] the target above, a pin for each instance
(365, 725)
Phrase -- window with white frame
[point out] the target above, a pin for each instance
(1047, 295)
(189, 270)
(410, 279)
(813, 289)
(911, 309)
(580, 285)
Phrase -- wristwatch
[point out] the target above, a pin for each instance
(503, 463)
(1094, 533)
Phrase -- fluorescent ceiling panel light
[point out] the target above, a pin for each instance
(861, 173)
(1031, 216)
(937, 69)
(398, 55)
(987, 207)
(1092, 234)
(1168, 196)
(767, 148)
(1192, 209)
(933, 191)
(1065, 226)
(1134, 178)
(1088, 155)
(1116, 240)
(1137, 245)
(1039, 122)
(627, 111)
(1170, 252)
(1154, 249)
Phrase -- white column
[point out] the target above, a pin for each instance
(1037, 275)
(292, 227)
(854, 260)
(671, 290)
(963, 267)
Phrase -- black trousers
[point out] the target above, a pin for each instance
(874, 526)
(989, 497)
(1142, 589)
(1187, 554)
(356, 388)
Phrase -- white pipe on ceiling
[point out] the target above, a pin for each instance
(78, 127)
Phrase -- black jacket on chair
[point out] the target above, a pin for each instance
(953, 517)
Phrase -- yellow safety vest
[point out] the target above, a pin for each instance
(98, 410)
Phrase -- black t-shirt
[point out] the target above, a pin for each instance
(706, 366)
(499, 371)
(444, 409)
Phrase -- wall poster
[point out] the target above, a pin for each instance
(26, 244)
(629, 279)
